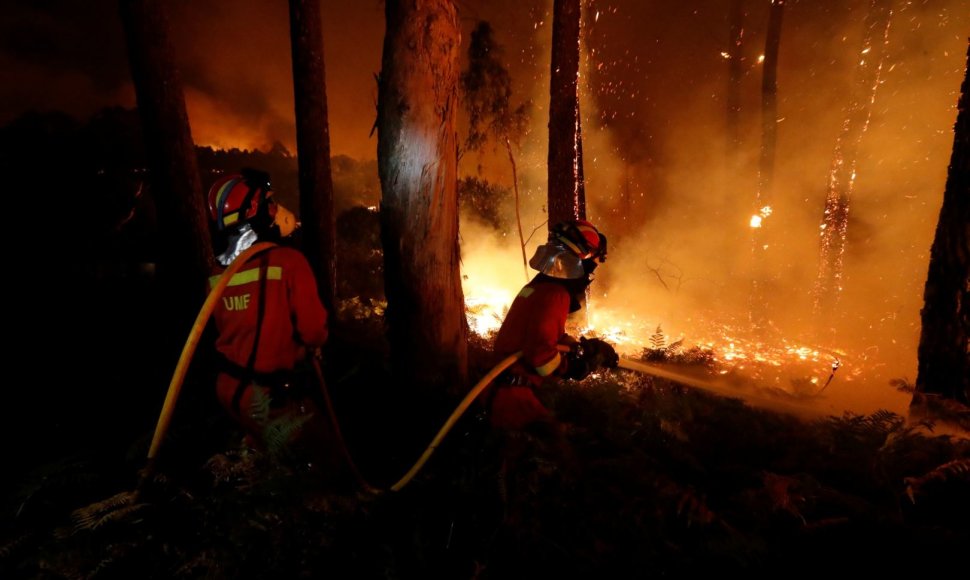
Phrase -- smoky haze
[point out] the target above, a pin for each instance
(660, 180)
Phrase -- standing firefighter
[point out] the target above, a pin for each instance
(269, 319)
(536, 326)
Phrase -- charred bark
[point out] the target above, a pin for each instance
(185, 245)
(417, 160)
(565, 196)
(944, 347)
(313, 145)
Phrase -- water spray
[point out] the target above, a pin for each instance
(836, 363)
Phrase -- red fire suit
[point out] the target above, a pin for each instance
(535, 325)
(293, 320)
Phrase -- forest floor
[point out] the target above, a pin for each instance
(658, 480)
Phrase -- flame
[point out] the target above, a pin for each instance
(782, 364)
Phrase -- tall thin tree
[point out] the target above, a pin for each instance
(766, 167)
(486, 90)
(842, 176)
(566, 194)
(943, 367)
(734, 56)
(417, 157)
(313, 144)
(186, 250)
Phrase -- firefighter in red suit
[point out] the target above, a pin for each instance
(536, 326)
(268, 320)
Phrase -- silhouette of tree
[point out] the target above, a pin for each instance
(487, 88)
(313, 144)
(944, 346)
(186, 251)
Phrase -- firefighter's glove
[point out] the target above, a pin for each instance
(589, 355)
(599, 353)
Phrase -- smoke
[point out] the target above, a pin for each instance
(663, 186)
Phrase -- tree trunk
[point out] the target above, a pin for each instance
(417, 160)
(769, 105)
(186, 249)
(944, 351)
(761, 277)
(564, 168)
(835, 218)
(735, 73)
(313, 145)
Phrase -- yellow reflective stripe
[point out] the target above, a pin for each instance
(547, 369)
(247, 276)
(526, 291)
(230, 219)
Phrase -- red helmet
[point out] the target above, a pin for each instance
(241, 198)
(582, 238)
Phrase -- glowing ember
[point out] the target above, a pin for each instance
(758, 218)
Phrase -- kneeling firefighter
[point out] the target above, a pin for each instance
(536, 325)
(269, 319)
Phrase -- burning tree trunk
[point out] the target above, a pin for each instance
(417, 161)
(944, 345)
(566, 196)
(766, 166)
(176, 185)
(835, 219)
(313, 144)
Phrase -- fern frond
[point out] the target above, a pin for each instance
(259, 405)
(657, 340)
(958, 468)
(97, 514)
(903, 385)
(280, 431)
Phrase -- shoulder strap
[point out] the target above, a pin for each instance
(260, 312)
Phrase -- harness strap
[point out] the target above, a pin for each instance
(249, 372)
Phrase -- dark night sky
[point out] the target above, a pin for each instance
(653, 105)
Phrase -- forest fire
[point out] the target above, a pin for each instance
(783, 366)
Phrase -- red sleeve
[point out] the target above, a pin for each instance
(551, 307)
(306, 309)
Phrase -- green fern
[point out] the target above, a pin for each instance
(115, 508)
(259, 405)
(281, 431)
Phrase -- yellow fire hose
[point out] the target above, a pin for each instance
(472, 394)
(191, 343)
(206, 311)
(188, 351)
